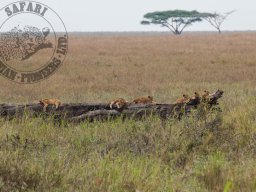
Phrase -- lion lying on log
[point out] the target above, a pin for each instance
(79, 112)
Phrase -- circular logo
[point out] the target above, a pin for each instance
(33, 41)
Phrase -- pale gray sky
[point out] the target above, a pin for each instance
(120, 15)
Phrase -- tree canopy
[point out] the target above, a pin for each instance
(175, 20)
(216, 19)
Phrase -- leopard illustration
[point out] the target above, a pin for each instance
(20, 44)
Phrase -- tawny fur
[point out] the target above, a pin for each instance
(143, 100)
(206, 93)
(196, 96)
(184, 99)
(120, 102)
(46, 102)
(205, 96)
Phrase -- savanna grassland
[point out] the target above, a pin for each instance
(213, 153)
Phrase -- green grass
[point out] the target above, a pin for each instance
(214, 153)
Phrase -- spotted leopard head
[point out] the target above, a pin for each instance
(20, 44)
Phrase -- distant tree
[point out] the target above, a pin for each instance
(175, 20)
(216, 19)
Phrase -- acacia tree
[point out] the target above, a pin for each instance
(216, 19)
(175, 20)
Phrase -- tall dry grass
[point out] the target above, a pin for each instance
(100, 67)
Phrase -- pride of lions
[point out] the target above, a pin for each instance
(120, 102)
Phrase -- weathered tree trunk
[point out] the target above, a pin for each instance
(78, 112)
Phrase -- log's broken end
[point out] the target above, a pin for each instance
(215, 96)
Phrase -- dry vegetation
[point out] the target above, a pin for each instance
(216, 153)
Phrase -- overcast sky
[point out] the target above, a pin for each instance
(120, 15)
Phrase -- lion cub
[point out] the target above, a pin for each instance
(206, 93)
(184, 99)
(196, 96)
(120, 102)
(143, 100)
(195, 100)
(205, 96)
(46, 102)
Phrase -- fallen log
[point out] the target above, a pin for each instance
(78, 112)
(11, 111)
